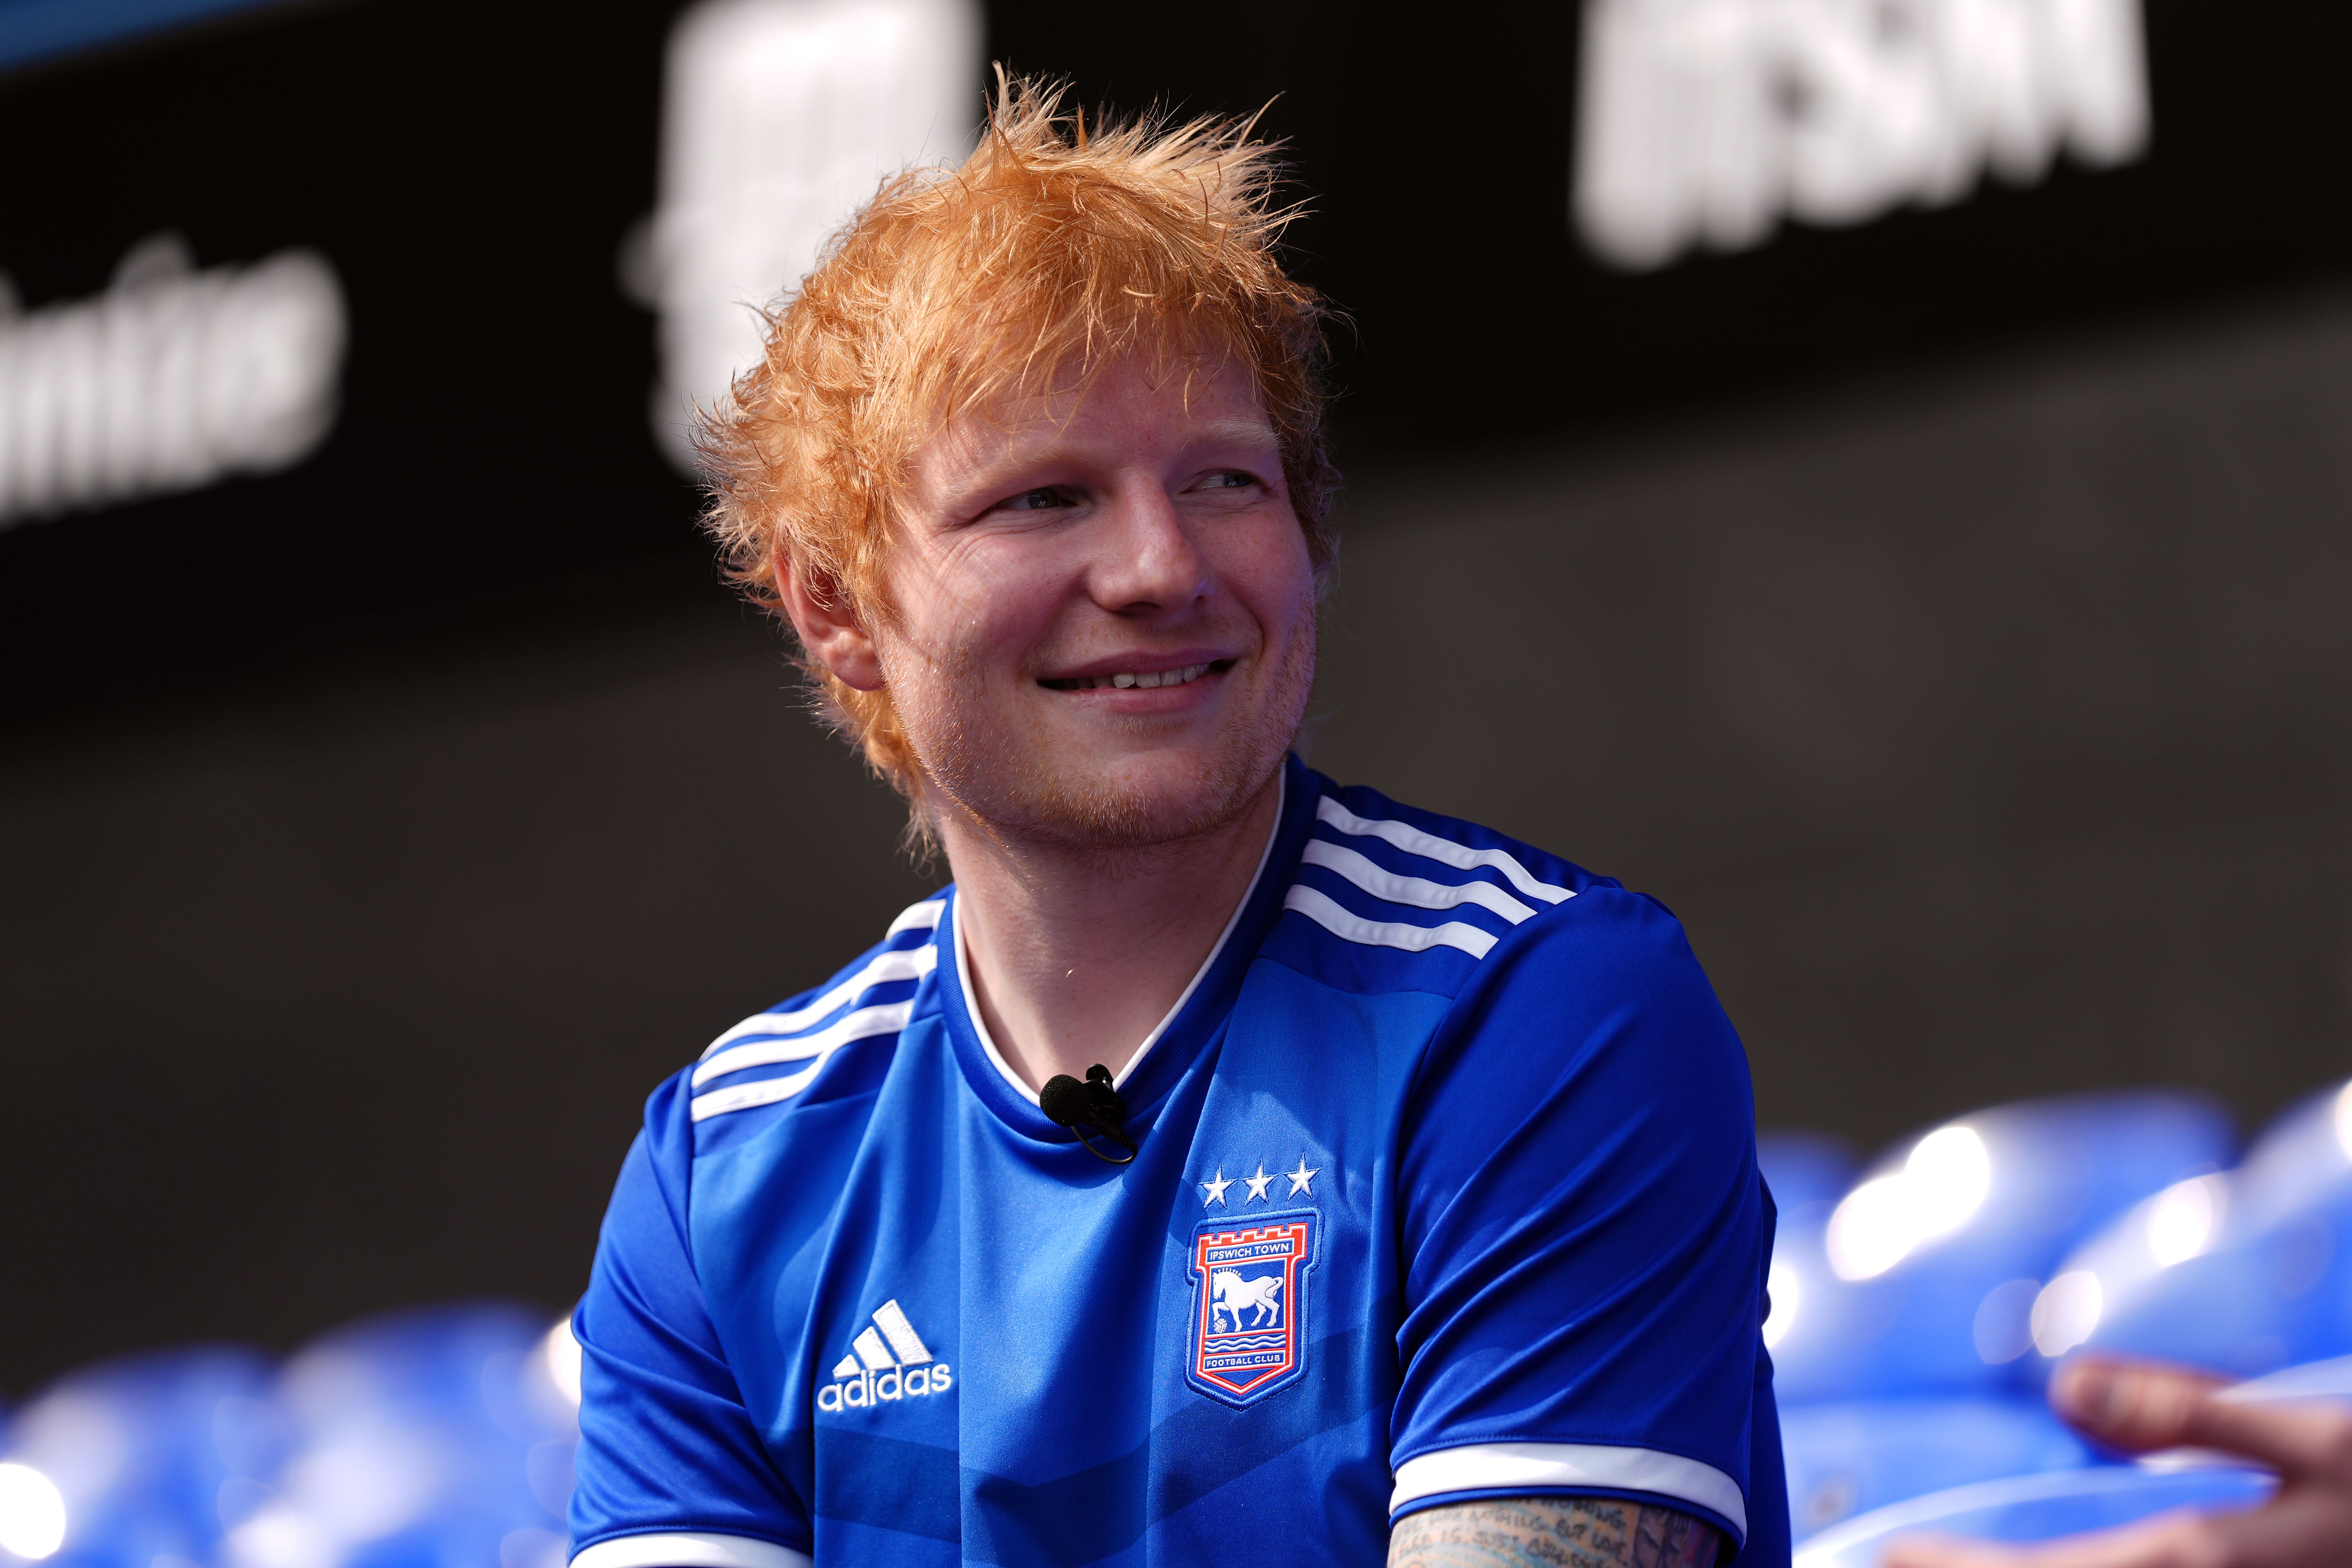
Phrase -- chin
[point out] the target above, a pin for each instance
(1130, 803)
(1138, 806)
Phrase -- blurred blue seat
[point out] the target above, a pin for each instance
(145, 1452)
(1923, 1277)
(1804, 1168)
(1850, 1456)
(2035, 1508)
(421, 1439)
(2243, 1273)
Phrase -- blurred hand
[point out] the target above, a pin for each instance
(2140, 1407)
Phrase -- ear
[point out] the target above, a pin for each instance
(828, 624)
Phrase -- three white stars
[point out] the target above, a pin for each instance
(1213, 1192)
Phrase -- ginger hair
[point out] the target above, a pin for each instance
(1050, 253)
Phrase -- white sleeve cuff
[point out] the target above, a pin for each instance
(679, 1550)
(1564, 1467)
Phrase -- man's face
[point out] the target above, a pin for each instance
(1105, 629)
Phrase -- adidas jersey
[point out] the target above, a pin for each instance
(1446, 1190)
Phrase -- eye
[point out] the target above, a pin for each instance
(1045, 498)
(1230, 480)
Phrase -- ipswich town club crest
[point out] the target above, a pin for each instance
(1249, 1308)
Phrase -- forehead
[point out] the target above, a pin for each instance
(1135, 407)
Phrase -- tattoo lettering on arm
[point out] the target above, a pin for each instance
(1551, 1532)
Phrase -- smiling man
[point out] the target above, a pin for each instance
(1229, 1166)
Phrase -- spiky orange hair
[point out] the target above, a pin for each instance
(1051, 253)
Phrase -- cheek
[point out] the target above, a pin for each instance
(987, 602)
(1271, 574)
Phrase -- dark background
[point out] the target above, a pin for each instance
(1946, 617)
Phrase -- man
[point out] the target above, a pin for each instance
(1412, 1210)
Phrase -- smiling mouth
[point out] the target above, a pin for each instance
(1143, 681)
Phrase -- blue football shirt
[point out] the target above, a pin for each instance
(1447, 1189)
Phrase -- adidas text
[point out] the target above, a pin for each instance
(887, 1362)
(881, 1388)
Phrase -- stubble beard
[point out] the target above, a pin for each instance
(1013, 793)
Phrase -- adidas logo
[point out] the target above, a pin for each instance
(885, 1367)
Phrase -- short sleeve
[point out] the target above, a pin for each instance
(671, 1471)
(1584, 1235)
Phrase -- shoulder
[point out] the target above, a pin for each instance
(770, 1063)
(1387, 896)
(1540, 960)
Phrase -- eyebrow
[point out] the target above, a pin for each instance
(1216, 433)
(1239, 433)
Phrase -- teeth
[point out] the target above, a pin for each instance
(1141, 679)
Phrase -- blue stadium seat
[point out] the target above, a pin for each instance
(146, 1454)
(420, 1440)
(1814, 1313)
(2244, 1273)
(1804, 1168)
(1922, 1279)
(2035, 1508)
(1850, 1456)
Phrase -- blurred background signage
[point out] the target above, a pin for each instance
(779, 117)
(35, 31)
(1706, 122)
(171, 379)
(401, 236)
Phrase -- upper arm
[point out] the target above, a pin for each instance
(1584, 1236)
(1585, 1532)
(670, 1460)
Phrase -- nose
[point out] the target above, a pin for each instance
(1149, 563)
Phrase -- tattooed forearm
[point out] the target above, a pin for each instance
(1556, 1532)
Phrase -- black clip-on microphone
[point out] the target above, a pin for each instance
(1094, 1103)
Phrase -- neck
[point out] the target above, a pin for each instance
(1076, 956)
